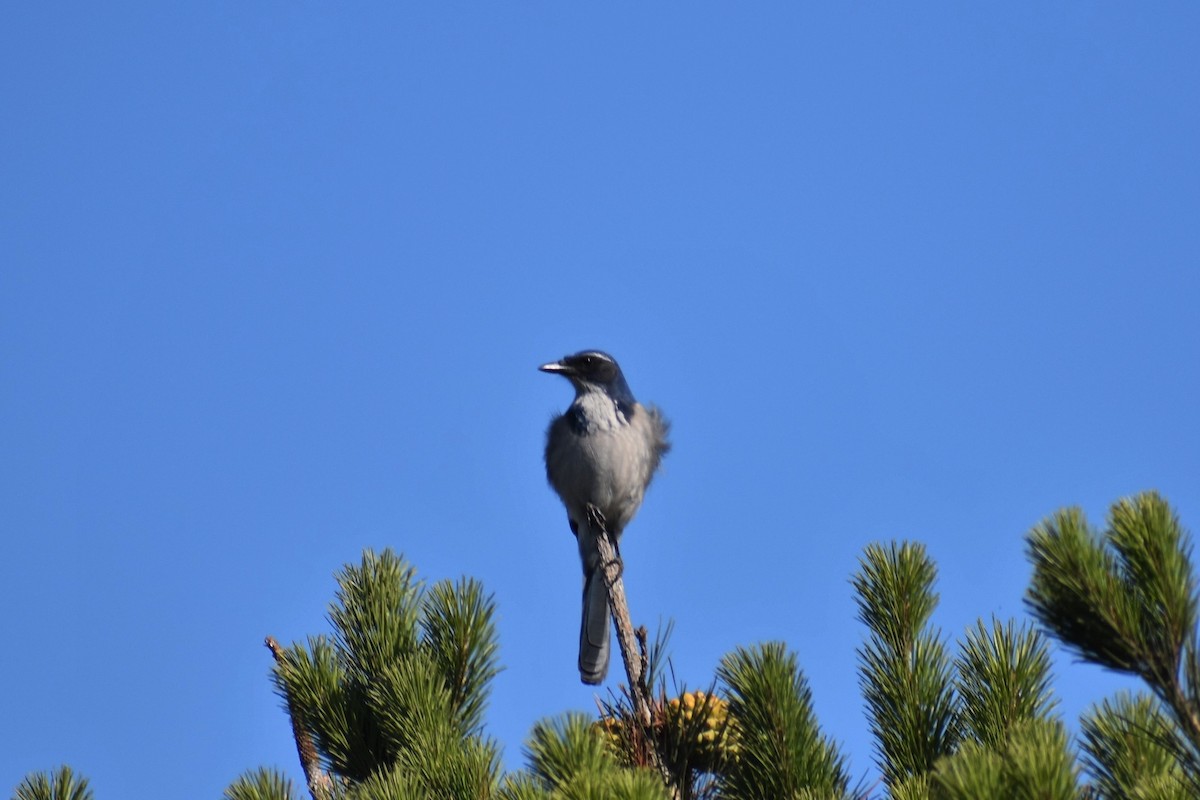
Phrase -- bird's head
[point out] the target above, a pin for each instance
(592, 370)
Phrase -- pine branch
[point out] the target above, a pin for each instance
(1126, 599)
(634, 660)
(459, 632)
(780, 750)
(1129, 744)
(62, 784)
(260, 784)
(1033, 761)
(635, 665)
(904, 667)
(319, 783)
(1003, 680)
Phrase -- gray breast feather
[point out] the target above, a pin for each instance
(607, 462)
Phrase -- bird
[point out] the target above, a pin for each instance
(601, 454)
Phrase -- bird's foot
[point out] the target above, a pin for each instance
(596, 518)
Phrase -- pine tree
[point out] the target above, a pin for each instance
(62, 784)
(978, 727)
(780, 749)
(391, 704)
(393, 701)
(1125, 599)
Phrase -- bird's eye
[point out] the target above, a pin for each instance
(588, 361)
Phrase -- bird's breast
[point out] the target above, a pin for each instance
(603, 459)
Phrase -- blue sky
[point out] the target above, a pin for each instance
(276, 278)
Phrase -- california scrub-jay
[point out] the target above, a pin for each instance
(602, 452)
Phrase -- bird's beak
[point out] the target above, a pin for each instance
(555, 366)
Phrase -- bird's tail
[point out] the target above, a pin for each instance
(593, 632)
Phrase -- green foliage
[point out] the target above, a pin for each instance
(1126, 599)
(1003, 680)
(1033, 762)
(457, 627)
(402, 783)
(982, 728)
(914, 787)
(261, 784)
(389, 784)
(780, 750)
(62, 784)
(1129, 746)
(395, 699)
(522, 786)
(904, 668)
(569, 760)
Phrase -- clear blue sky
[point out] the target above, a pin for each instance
(275, 278)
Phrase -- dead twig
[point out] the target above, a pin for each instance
(320, 785)
(635, 665)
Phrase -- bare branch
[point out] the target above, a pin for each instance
(319, 783)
